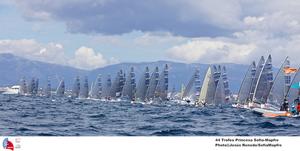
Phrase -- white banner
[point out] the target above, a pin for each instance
(149, 143)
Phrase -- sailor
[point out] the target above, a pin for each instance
(295, 106)
(285, 105)
(293, 109)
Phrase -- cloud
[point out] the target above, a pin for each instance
(84, 58)
(87, 58)
(211, 51)
(29, 48)
(179, 17)
(189, 18)
(216, 30)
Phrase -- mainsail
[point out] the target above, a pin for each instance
(116, 87)
(36, 87)
(85, 88)
(129, 87)
(280, 86)
(245, 89)
(23, 86)
(31, 86)
(143, 85)
(219, 97)
(91, 92)
(258, 70)
(107, 87)
(163, 84)
(153, 84)
(194, 82)
(226, 83)
(96, 92)
(60, 91)
(216, 74)
(48, 89)
(76, 88)
(264, 82)
(208, 88)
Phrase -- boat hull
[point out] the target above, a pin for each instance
(272, 113)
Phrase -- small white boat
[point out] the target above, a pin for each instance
(14, 90)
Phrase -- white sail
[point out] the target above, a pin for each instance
(280, 86)
(60, 91)
(245, 89)
(219, 97)
(190, 85)
(143, 85)
(130, 85)
(193, 87)
(153, 84)
(116, 85)
(121, 83)
(85, 88)
(258, 71)
(161, 91)
(216, 74)
(264, 82)
(96, 91)
(107, 87)
(92, 91)
(208, 88)
(76, 88)
(225, 83)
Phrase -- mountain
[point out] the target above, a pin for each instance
(13, 68)
(179, 73)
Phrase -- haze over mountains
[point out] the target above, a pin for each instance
(13, 68)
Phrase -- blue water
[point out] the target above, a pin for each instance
(26, 116)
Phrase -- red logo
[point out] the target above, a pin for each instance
(8, 144)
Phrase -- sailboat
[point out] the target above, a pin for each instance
(23, 86)
(31, 86)
(96, 90)
(255, 81)
(107, 88)
(264, 83)
(84, 91)
(193, 84)
(76, 88)
(294, 89)
(143, 85)
(226, 85)
(47, 92)
(60, 91)
(280, 87)
(161, 91)
(129, 88)
(292, 94)
(36, 87)
(117, 86)
(152, 85)
(219, 97)
(207, 92)
(245, 89)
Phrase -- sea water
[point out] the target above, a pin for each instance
(37, 116)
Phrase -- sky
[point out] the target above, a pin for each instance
(89, 34)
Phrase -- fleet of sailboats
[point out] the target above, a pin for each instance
(268, 95)
(260, 90)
